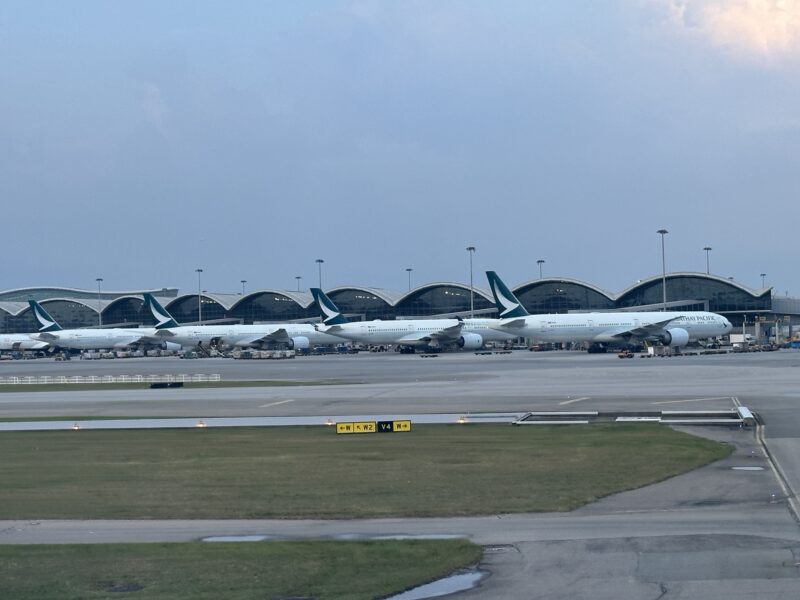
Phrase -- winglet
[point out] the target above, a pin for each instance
(46, 322)
(506, 302)
(164, 320)
(328, 310)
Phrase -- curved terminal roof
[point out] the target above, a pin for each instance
(479, 291)
(52, 292)
(389, 296)
(689, 274)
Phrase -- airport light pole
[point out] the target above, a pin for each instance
(662, 233)
(243, 282)
(763, 285)
(540, 262)
(199, 297)
(708, 269)
(408, 270)
(471, 250)
(99, 280)
(319, 262)
(298, 277)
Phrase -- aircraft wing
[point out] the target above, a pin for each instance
(448, 333)
(161, 334)
(46, 337)
(279, 335)
(513, 323)
(332, 329)
(646, 330)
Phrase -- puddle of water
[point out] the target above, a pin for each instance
(747, 468)
(443, 587)
(236, 538)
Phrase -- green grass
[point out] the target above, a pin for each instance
(267, 570)
(307, 472)
(83, 387)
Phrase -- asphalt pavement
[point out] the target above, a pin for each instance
(723, 531)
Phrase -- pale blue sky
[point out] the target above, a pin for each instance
(139, 141)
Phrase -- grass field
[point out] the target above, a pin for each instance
(266, 570)
(83, 387)
(306, 472)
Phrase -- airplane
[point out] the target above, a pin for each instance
(469, 334)
(21, 341)
(299, 336)
(604, 329)
(52, 333)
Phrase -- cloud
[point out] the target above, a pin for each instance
(756, 29)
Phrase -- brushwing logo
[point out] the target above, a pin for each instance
(45, 322)
(508, 304)
(329, 312)
(162, 318)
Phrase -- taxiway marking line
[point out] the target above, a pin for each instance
(574, 400)
(275, 403)
(692, 400)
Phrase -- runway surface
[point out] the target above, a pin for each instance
(724, 531)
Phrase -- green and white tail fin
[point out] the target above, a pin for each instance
(46, 322)
(328, 311)
(508, 306)
(163, 319)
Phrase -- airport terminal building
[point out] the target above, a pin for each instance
(74, 308)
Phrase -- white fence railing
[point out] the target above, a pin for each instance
(47, 379)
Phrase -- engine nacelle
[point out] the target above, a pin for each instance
(299, 343)
(470, 341)
(675, 337)
(171, 346)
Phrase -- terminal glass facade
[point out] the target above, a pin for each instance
(185, 310)
(722, 297)
(267, 307)
(360, 305)
(439, 299)
(548, 297)
(127, 312)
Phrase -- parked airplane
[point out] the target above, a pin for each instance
(611, 328)
(294, 335)
(465, 333)
(51, 333)
(20, 341)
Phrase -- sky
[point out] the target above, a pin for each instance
(141, 141)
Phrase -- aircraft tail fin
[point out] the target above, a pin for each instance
(328, 310)
(46, 322)
(507, 303)
(164, 320)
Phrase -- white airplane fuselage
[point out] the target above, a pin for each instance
(409, 331)
(296, 335)
(20, 341)
(612, 327)
(93, 339)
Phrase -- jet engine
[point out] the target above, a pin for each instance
(470, 341)
(675, 337)
(171, 346)
(299, 343)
